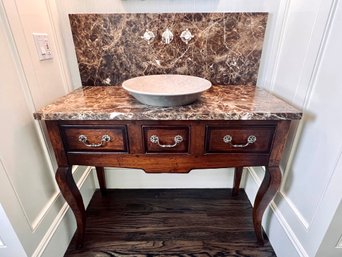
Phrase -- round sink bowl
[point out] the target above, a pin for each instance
(166, 90)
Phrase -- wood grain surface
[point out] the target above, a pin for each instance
(155, 223)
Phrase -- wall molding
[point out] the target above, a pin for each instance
(24, 83)
(47, 207)
(308, 96)
(270, 63)
(313, 83)
(289, 232)
(51, 230)
(254, 174)
(285, 5)
(33, 224)
(29, 222)
(59, 217)
(339, 244)
(60, 48)
(296, 212)
(2, 244)
(320, 54)
(45, 210)
(31, 107)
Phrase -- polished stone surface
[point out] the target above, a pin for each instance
(218, 103)
(226, 47)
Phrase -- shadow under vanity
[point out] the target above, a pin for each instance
(233, 124)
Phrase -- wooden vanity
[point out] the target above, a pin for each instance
(231, 126)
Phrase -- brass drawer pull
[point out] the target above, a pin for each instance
(155, 140)
(84, 140)
(228, 140)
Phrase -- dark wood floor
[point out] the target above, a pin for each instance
(186, 222)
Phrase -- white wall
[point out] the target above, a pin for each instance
(306, 72)
(300, 63)
(28, 193)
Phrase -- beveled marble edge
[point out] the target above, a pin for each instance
(132, 116)
(219, 103)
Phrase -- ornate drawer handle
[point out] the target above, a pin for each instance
(84, 140)
(228, 140)
(155, 140)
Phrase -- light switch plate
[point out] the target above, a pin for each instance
(41, 41)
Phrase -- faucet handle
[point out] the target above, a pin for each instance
(148, 36)
(167, 36)
(186, 36)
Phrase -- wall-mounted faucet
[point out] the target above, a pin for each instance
(148, 36)
(186, 36)
(167, 36)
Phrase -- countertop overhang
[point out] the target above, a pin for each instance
(218, 103)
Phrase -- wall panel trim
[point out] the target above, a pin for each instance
(5, 25)
(339, 244)
(308, 96)
(284, 8)
(2, 244)
(289, 232)
(296, 212)
(60, 48)
(40, 217)
(254, 174)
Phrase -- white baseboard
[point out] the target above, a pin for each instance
(59, 234)
(283, 240)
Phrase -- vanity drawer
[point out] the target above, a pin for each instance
(166, 139)
(238, 139)
(95, 138)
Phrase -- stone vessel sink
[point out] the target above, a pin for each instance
(167, 89)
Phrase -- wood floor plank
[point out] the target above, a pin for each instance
(174, 222)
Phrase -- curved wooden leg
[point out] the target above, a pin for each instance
(269, 187)
(73, 197)
(237, 180)
(101, 178)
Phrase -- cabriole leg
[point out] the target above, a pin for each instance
(73, 197)
(269, 187)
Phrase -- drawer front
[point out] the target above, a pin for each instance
(239, 139)
(95, 138)
(166, 139)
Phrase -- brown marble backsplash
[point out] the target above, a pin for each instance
(226, 47)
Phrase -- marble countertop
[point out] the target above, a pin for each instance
(218, 103)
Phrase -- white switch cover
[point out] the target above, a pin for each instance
(42, 45)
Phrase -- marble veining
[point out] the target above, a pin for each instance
(238, 102)
(226, 47)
